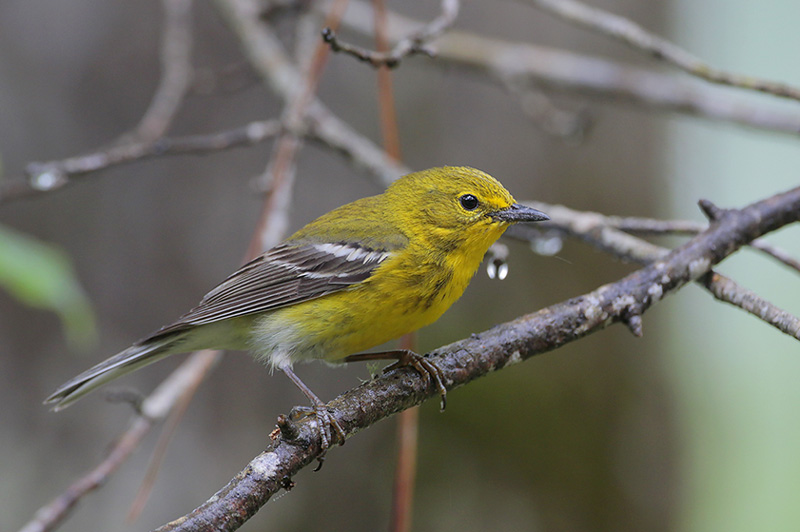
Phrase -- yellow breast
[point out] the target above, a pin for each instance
(409, 290)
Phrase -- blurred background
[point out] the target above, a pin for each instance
(693, 427)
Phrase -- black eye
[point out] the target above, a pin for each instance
(469, 202)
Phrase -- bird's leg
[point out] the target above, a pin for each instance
(319, 409)
(429, 371)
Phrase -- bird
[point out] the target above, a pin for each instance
(361, 275)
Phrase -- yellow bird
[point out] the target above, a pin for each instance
(356, 277)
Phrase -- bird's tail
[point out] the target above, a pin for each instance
(133, 358)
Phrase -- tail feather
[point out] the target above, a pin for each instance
(120, 364)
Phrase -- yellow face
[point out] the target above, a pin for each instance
(453, 203)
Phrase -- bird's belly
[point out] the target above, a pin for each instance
(347, 322)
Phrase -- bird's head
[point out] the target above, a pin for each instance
(456, 202)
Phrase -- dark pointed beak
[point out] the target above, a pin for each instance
(519, 213)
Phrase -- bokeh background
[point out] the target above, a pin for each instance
(693, 427)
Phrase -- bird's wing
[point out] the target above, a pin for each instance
(287, 274)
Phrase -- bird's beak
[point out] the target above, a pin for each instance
(519, 213)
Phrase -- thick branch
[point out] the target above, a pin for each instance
(501, 346)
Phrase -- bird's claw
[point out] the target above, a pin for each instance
(429, 372)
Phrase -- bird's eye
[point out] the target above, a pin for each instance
(469, 202)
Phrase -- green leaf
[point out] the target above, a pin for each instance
(40, 275)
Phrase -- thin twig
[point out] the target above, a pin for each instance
(388, 111)
(649, 226)
(727, 290)
(592, 228)
(48, 517)
(683, 227)
(415, 43)
(50, 175)
(776, 253)
(630, 33)
(639, 226)
(405, 472)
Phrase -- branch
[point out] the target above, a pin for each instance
(501, 346)
(725, 289)
(415, 43)
(51, 175)
(593, 228)
(630, 33)
(587, 76)
(648, 226)
(599, 231)
(358, 150)
(776, 253)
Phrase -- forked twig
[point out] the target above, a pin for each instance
(415, 43)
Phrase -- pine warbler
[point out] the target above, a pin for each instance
(358, 276)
